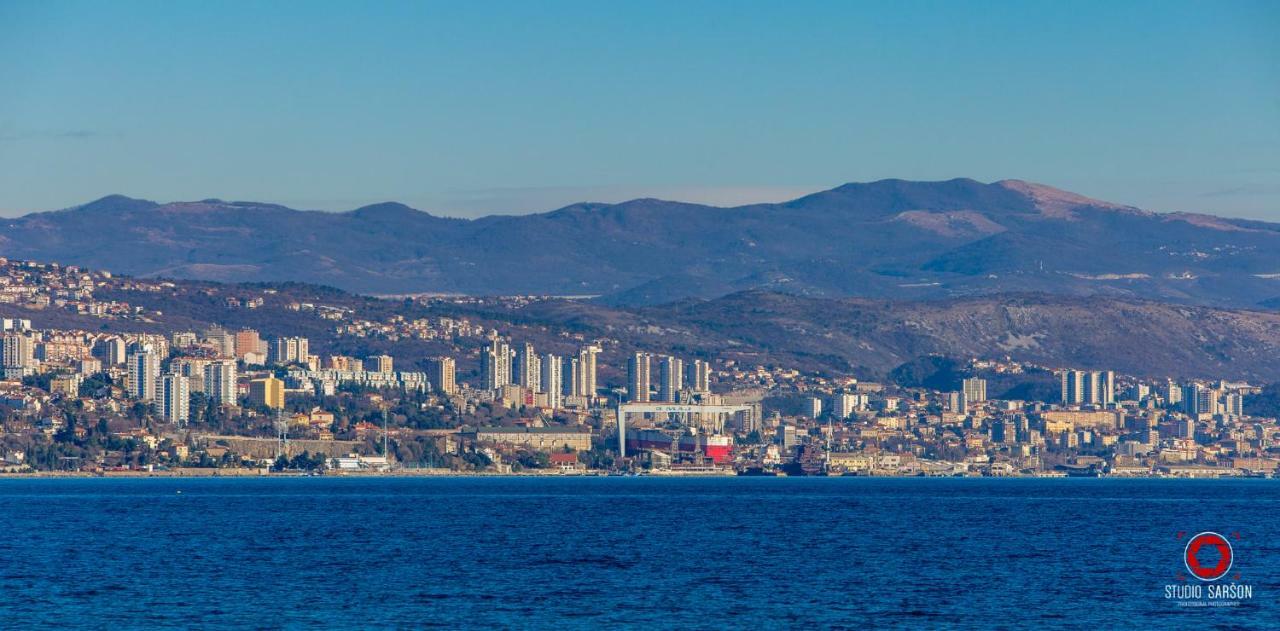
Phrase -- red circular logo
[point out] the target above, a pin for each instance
(1205, 543)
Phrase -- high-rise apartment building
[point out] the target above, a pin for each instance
(571, 378)
(222, 342)
(1095, 387)
(380, 363)
(525, 372)
(192, 369)
(184, 339)
(1199, 399)
(289, 350)
(845, 404)
(670, 378)
(144, 374)
(1232, 404)
(552, 382)
(495, 365)
(638, 378)
(1139, 392)
(587, 370)
(1106, 387)
(220, 381)
(975, 390)
(698, 376)
(175, 399)
(18, 350)
(247, 341)
(111, 351)
(441, 373)
(267, 392)
(1072, 387)
(953, 401)
(1092, 387)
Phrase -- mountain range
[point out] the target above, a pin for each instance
(890, 239)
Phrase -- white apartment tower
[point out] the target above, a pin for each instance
(289, 350)
(587, 370)
(698, 377)
(552, 384)
(525, 371)
(670, 378)
(495, 365)
(441, 374)
(175, 399)
(111, 351)
(1072, 387)
(975, 390)
(18, 351)
(570, 372)
(220, 381)
(144, 374)
(1095, 387)
(638, 378)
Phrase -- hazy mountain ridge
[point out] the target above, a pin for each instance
(887, 239)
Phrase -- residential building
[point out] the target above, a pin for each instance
(267, 392)
(247, 341)
(525, 370)
(144, 374)
(587, 373)
(18, 351)
(975, 390)
(570, 377)
(670, 378)
(495, 365)
(289, 350)
(220, 381)
(381, 363)
(638, 378)
(698, 378)
(441, 374)
(552, 383)
(175, 399)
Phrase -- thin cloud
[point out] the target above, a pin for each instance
(1247, 190)
(65, 134)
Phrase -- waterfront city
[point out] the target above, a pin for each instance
(237, 401)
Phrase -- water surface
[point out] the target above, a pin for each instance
(611, 552)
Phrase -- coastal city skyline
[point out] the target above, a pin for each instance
(234, 399)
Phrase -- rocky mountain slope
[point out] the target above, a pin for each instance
(864, 337)
(871, 337)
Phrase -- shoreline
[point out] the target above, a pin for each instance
(443, 473)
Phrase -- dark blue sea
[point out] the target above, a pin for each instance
(627, 552)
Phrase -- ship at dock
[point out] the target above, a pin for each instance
(677, 443)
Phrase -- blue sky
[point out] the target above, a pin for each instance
(473, 108)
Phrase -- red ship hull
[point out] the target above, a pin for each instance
(718, 448)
